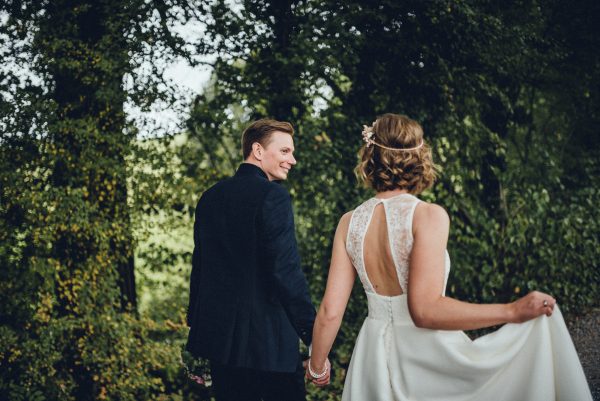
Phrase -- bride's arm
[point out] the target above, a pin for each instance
(428, 308)
(339, 286)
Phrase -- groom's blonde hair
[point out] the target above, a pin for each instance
(261, 131)
(392, 166)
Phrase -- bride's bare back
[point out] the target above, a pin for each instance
(379, 263)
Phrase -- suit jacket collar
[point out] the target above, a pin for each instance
(246, 169)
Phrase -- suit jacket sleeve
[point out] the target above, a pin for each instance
(195, 275)
(283, 261)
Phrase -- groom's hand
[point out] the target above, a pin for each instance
(320, 382)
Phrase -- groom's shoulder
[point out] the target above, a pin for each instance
(250, 189)
(275, 192)
(259, 187)
(216, 192)
(216, 188)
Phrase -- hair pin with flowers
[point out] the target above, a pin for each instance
(368, 133)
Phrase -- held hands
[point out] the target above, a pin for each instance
(531, 306)
(319, 375)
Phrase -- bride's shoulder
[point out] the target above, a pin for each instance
(430, 214)
(345, 219)
(344, 224)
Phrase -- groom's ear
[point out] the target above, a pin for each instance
(257, 151)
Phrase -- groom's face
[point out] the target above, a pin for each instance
(278, 156)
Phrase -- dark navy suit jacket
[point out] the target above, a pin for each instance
(249, 300)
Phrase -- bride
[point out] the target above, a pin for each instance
(411, 346)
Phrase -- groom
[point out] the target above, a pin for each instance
(249, 301)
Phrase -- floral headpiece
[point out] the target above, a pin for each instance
(368, 133)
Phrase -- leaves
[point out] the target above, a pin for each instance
(508, 97)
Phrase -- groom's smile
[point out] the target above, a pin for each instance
(277, 158)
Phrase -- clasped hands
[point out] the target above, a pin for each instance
(313, 369)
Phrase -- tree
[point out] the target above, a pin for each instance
(68, 282)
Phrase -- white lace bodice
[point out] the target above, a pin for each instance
(399, 211)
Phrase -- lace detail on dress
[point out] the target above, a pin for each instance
(361, 217)
(399, 214)
(399, 211)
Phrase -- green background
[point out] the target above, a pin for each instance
(96, 211)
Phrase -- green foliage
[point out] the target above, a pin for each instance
(69, 326)
(508, 97)
(110, 352)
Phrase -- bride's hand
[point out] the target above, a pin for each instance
(322, 381)
(531, 306)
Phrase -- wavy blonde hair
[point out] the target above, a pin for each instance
(384, 169)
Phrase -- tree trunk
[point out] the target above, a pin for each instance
(89, 95)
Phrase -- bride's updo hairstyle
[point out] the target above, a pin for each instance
(395, 156)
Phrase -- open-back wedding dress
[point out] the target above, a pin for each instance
(395, 360)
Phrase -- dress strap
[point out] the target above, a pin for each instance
(399, 212)
(359, 223)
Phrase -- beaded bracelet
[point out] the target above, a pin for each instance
(316, 375)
